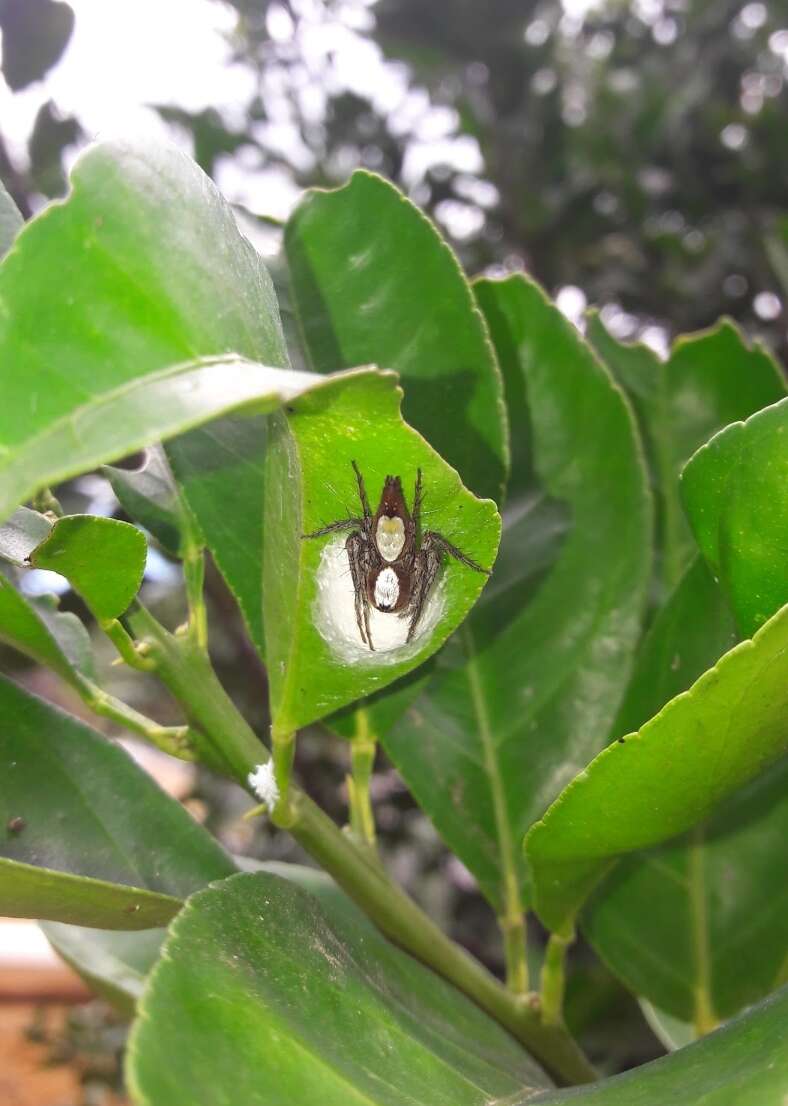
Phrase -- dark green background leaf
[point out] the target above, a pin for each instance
(525, 694)
(373, 283)
(150, 496)
(743, 1064)
(697, 926)
(735, 491)
(709, 380)
(655, 784)
(64, 781)
(38, 629)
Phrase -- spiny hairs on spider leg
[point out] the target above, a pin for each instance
(393, 564)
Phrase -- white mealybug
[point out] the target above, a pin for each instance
(263, 782)
(386, 589)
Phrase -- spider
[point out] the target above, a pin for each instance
(392, 564)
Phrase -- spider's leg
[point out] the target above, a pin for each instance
(418, 496)
(432, 538)
(362, 491)
(425, 568)
(355, 547)
(342, 524)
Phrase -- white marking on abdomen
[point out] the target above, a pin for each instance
(386, 589)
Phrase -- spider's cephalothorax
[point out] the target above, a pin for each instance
(392, 564)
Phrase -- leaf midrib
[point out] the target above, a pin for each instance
(512, 905)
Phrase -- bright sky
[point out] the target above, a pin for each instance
(123, 55)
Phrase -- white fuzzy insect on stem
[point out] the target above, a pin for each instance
(263, 782)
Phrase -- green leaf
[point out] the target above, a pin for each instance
(64, 782)
(311, 1005)
(145, 275)
(710, 379)
(151, 497)
(735, 491)
(102, 558)
(743, 1064)
(656, 784)
(374, 283)
(19, 536)
(39, 630)
(31, 891)
(525, 694)
(696, 925)
(115, 964)
(317, 661)
(11, 220)
(688, 635)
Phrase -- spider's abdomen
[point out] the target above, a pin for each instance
(389, 588)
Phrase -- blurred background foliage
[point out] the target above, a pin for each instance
(628, 153)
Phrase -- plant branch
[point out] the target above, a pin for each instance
(363, 748)
(175, 740)
(553, 980)
(232, 746)
(514, 938)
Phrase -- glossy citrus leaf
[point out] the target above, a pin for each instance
(116, 964)
(102, 558)
(19, 536)
(373, 282)
(696, 925)
(709, 380)
(317, 660)
(743, 1064)
(657, 783)
(145, 276)
(525, 694)
(38, 629)
(688, 635)
(31, 891)
(735, 490)
(311, 1005)
(151, 497)
(61, 783)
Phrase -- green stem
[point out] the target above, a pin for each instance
(234, 748)
(134, 655)
(194, 580)
(704, 1017)
(175, 740)
(553, 980)
(514, 935)
(46, 502)
(283, 747)
(363, 748)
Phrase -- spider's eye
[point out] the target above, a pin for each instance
(390, 537)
